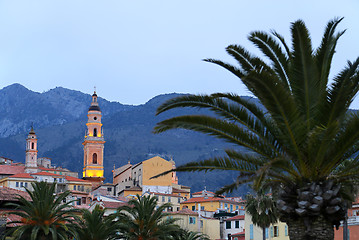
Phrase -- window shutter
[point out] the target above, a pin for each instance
(271, 232)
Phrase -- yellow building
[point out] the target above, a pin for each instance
(212, 204)
(195, 222)
(131, 177)
(277, 231)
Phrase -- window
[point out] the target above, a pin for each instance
(163, 198)
(271, 232)
(26, 184)
(17, 184)
(78, 188)
(192, 220)
(202, 208)
(94, 158)
(228, 225)
(109, 189)
(225, 205)
(201, 223)
(74, 187)
(21, 184)
(286, 230)
(78, 202)
(178, 208)
(237, 224)
(276, 232)
(231, 208)
(237, 207)
(251, 232)
(95, 132)
(82, 188)
(193, 208)
(169, 199)
(32, 145)
(179, 200)
(267, 233)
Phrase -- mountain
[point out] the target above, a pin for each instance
(59, 117)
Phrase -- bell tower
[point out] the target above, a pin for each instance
(31, 152)
(94, 144)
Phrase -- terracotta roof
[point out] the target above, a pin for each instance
(73, 179)
(47, 174)
(185, 211)
(165, 194)
(200, 192)
(11, 169)
(10, 194)
(112, 204)
(21, 175)
(238, 234)
(135, 188)
(209, 199)
(176, 190)
(238, 217)
(54, 169)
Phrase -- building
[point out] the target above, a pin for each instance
(193, 221)
(277, 231)
(136, 179)
(353, 223)
(233, 226)
(94, 143)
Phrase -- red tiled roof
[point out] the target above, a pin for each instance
(136, 188)
(73, 179)
(240, 235)
(176, 190)
(185, 211)
(238, 217)
(47, 174)
(10, 169)
(200, 192)
(113, 204)
(21, 175)
(165, 194)
(10, 194)
(208, 199)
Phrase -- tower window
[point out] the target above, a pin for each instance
(32, 145)
(94, 158)
(95, 118)
(95, 132)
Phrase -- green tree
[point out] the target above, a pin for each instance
(262, 209)
(296, 138)
(95, 226)
(45, 216)
(142, 219)
(189, 235)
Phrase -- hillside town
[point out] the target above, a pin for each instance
(218, 217)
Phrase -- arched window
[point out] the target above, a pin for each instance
(95, 132)
(94, 158)
(32, 145)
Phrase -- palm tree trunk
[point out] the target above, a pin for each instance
(264, 233)
(320, 229)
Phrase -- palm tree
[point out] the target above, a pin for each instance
(295, 139)
(143, 219)
(262, 209)
(45, 216)
(95, 226)
(189, 235)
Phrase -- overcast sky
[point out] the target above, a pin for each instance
(134, 50)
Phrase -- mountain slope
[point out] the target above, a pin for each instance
(59, 117)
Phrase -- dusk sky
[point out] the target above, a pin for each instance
(134, 50)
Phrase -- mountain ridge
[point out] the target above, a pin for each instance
(59, 117)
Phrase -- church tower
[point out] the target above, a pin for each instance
(31, 152)
(94, 144)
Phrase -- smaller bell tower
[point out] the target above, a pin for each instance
(94, 144)
(31, 152)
